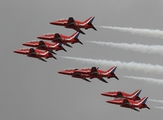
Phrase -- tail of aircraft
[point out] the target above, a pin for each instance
(89, 22)
(112, 69)
(110, 72)
(75, 35)
(141, 104)
(49, 54)
(143, 100)
(136, 94)
(74, 38)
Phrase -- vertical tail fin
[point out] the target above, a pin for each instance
(89, 23)
(142, 101)
(89, 20)
(74, 36)
(136, 93)
(112, 69)
(60, 44)
(110, 72)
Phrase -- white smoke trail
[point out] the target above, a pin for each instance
(158, 107)
(150, 80)
(153, 49)
(130, 66)
(143, 32)
(153, 100)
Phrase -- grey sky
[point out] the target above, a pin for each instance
(33, 90)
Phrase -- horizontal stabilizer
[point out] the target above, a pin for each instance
(116, 77)
(80, 42)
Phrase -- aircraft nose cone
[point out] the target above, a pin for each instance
(104, 94)
(61, 72)
(40, 37)
(52, 22)
(109, 101)
(16, 51)
(25, 44)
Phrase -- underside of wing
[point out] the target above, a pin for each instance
(103, 80)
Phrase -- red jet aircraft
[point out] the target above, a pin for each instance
(44, 45)
(97, 73)
(60, 38)
(35, 53)
(75, 75)
(119, 94)
(123, 102)
(75, 24)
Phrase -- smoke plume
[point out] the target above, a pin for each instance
(143, 32)
(122, 65)
(150, 80)
(152, 49)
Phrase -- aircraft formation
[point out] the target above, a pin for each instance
(127, 100)
(41, 49)
(50, 42)
(93, 72)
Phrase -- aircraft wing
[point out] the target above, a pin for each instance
(86, 79)
(103, 80)
(68, 45)
(78, 29)
(80, 76)
(135, 109)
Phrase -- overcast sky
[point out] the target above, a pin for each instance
(33, 90)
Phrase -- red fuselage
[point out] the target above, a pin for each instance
(99, 74)
(120, 94)
(36, 54)
(48, 45)
(123, 102)
(64, 39)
